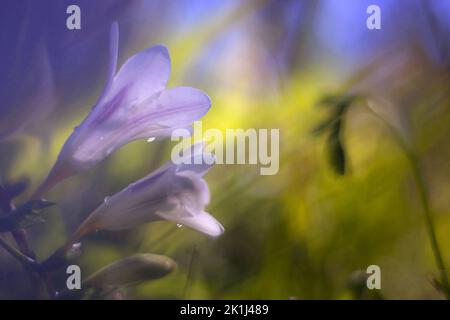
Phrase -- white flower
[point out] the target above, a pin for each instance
(135, 104)
(176, 193)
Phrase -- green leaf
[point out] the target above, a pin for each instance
(335, 100)
(323, 126)
(131, 270)
(335, 148)
(339, 105)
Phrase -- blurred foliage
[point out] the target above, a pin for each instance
(305, 233)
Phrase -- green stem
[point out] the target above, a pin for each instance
(430, 223)
(420, 182)
(190, 274)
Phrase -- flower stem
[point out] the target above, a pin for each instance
(190, 275)
(424, 199)
(56, 174)
(430, 223)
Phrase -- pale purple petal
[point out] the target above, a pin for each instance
(173, 192)
(202, 221)
(180, 107)
(194, 191)
(195, 159)
(190, 154)
(171, 109)
(143, 75)
(134, 105)
(113, 56)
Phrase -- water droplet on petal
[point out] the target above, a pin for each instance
(179, 225)
(151, 139)
(109, 150)
(106, 199)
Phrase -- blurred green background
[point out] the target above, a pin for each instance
(306, 232)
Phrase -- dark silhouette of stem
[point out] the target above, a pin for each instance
(424, 199)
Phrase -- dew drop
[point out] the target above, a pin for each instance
(179, 225)
(151, 139)
(106, 199)
(108, 152)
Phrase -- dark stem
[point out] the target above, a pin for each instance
(430, 223)
(424, 199)
(37, 279)
(190, 275)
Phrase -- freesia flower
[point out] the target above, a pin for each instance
(176, 193)
(135, 104)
